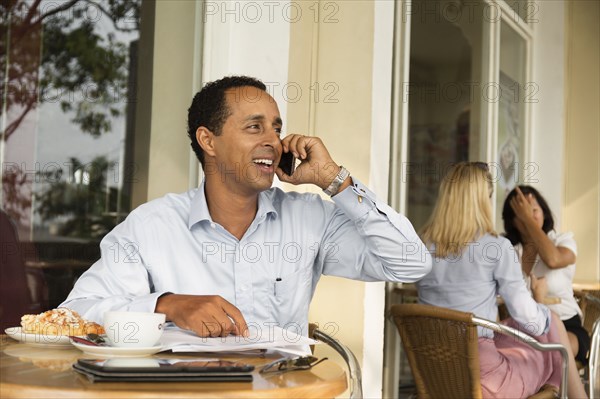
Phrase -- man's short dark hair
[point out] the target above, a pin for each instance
(209, 107)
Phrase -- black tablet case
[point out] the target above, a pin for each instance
(160, 375)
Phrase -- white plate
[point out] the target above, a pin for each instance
(113, 351)
(52, 341)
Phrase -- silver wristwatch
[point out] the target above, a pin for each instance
(337, 182)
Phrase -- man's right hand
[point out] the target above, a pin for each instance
(206, 315)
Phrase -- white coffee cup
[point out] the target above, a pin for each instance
(133, 329)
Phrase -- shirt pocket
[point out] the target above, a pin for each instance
(291, 294)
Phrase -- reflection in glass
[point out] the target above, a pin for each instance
(67, 73)
(511, 115)
(443, 97)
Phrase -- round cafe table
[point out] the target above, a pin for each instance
(28, 371)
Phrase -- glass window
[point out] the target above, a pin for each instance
(68, 78)
(512, 93)
(467, 98)
(443, 99)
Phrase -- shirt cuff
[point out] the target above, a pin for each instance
(356, 200)
(548, 314)
(146, 303)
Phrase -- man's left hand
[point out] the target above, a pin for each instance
(316, 166)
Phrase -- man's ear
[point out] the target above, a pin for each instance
(205, 139)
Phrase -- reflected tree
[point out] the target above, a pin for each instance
(75, 59)
(53, 51)
(16, 193)
(82, 200)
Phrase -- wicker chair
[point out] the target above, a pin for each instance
(589, 302)
(447, 365)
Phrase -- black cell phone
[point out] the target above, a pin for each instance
(287, 163)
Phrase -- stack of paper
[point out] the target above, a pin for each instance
(276, 338)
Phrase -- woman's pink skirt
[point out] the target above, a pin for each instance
(512, 369)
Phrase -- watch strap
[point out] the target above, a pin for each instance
(333, 188)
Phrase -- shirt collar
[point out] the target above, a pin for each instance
(265, 205)
(199, 207)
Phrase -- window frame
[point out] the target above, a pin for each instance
(398, 182)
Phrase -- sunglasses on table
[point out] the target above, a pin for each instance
(291, 364)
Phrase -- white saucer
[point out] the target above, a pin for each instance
(52, 341)
(113, 351)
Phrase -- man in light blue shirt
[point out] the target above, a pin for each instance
(236, 251)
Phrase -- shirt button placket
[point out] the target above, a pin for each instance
(244, 297)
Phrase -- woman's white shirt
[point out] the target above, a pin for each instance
(560, 281)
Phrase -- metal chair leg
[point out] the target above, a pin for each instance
(594, 365)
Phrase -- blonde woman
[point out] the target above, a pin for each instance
(472, 265)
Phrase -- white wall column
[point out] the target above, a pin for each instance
(547, 110)
(249, 38)
(374, 315)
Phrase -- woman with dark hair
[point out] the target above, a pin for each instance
(544, 253)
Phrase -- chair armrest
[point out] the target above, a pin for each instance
(527, 339)
(353, 365)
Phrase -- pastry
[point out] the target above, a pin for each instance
(60, 321)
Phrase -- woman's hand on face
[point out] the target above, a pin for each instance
(522, 208)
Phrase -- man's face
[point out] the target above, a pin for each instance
(249, 147)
